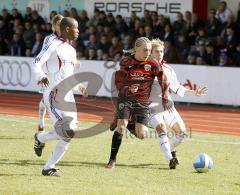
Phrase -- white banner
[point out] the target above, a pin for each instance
(223, 82)
(168, 8)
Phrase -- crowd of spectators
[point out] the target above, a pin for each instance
(188, 40)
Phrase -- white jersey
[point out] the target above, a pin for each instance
(61, 58)
(175, 86)
(48, 40)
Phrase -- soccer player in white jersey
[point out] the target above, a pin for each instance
(61, 57)
(48, 41)
(161, 119)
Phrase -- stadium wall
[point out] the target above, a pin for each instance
(223, 82)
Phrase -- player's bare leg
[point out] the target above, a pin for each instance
(141, 130)
(116, 141)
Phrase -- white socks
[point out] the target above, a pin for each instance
(176, 140)
(165, 145)
(49, 135)
(58, 152)
(42, 113)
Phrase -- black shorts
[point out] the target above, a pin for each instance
(139, 112)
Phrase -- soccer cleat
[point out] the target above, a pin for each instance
(38, 146)
(50, 172)
(174, 154)
(173, 163)
(111, 164)
(113, 125)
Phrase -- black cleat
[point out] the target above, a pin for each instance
(111, 164)
(38, 146)
(174, 155)
(50, 172)
(173, 163)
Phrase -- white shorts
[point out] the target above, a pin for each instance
(164, 117)
(57, 114)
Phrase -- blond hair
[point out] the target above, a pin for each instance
(138, 43)
(56, 19)
(157, 43)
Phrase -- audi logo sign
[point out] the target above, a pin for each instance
(15, 73)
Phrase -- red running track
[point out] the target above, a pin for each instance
(201, 118)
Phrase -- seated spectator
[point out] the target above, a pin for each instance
(104, 45)
(28, 14)
(211, 56)
(83, 20)
(201, 49)
(127, 42)
(28, 52)
(201, 36)
(91, 54)
(170, 53)
(182, 47)
(37, 19)
(212, 24)
(92, 42)
(191, 59)
(168, 34)
(3, 46)
(16, 15)
(147, 20)
(17, 46)
(223, 12)
(230, 40)
(236, 58)
(6, 16)
(179, 25)
(29, 35)
(37, 46)
(223, 59)
(120, 26)
(148, 32)
(200, 61)
(99, 54)
(115, 48)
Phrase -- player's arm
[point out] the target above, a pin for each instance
(180, 90)
(41, 58)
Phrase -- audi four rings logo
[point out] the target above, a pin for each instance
(15, 73)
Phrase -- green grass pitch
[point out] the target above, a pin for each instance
(141, 167)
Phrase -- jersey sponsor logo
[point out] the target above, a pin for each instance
(120, 106)
(147, 67)
(15, 73)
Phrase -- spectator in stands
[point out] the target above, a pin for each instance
(91, 54)
(52, 15)
(74, 14)
(230, 40)
(212, 24)
(133, 19)
(182, 47)
(160, 26)
(16, 15)
(36, 18)
(83, 20)
(28, 14)
(154, 17)
(133, 32)
(29, 35)
(148, 32)
(223, 12)
(201, 49)
(92, 43)
(200, 61)
(115, 48)
(104, 45)
(237, 57)
(28, 52)
(170, 53)
(3, 46)
(37, 46)
(187, 18)
(179, 25)
(168, 33)
(201, 36)
(99, 54)
(110, 21)
(191, 59)
(6, 16)
(223, 59)
(95, 19)
(120, 26)
(127, 42)
(225, 25)
(211, 56)
(66, 13)
(17, 46)
(147, 20)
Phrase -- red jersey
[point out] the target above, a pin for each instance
(141, 74)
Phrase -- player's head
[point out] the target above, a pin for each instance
(69, 28)
(157, 49)
(56, 24)
(142, 48)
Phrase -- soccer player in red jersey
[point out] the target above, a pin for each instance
(134, 81)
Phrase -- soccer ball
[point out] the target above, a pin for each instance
(203, 163)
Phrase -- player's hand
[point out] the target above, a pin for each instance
(44, 81)
(134, 88)
(201, 91)
(84, 91)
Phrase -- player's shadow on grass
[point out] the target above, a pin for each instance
(81, 163)
(91, 164)
(12, 137)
